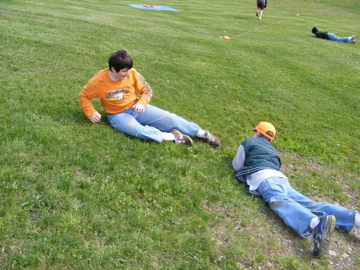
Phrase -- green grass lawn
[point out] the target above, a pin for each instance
(77, 195)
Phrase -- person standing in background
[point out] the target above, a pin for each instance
(260, 5)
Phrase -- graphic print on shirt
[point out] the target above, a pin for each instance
(149, 91)
(117, 94)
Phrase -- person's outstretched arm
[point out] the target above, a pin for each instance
(239, 159)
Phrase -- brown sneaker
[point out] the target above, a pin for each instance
(211, 139)
(181, 138)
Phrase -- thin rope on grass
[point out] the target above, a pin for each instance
(244, 33)
(167, 24)
(149, 20)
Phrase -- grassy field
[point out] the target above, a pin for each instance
(77, 195)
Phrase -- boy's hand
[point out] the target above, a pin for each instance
(95, 117)
(139, 108)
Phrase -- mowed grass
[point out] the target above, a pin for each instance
(75, 195)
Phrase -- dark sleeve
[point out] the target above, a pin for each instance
(321, 34)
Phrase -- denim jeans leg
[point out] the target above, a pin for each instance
(166, 121)
(127, 123)
(275, 191)
(345, 218)
(334, 37)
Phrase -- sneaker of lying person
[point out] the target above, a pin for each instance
(352, 39)
(181, 138)
(322, 233)
(357, 230)
(211, 139)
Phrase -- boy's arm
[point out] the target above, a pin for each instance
(144, 89)
(86, 104)
(239, 159)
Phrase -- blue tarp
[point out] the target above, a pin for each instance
(154, 7)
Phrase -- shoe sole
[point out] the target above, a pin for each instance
(326, 240)
(211, 139)
(215, 145)
(179, 134)
(191, 143)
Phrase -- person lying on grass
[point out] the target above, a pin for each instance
(332, 36)
(125, 96)
(258, 165)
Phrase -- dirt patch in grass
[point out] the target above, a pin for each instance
(294, 166)
(269, 244)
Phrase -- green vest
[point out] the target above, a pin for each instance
(259, 155)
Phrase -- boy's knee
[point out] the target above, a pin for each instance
(277, 201)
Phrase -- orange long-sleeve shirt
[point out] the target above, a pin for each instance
(115, 96)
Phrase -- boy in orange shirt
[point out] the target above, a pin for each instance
(125, 95)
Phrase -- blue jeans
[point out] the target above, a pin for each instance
(149, 124)
(334, 37)
(297, 210)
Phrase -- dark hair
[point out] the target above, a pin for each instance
(120, 60)
(314, 30)
(270, 133)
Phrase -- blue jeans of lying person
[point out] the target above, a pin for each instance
(334, 37)
(297, 210)
(149, 124)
